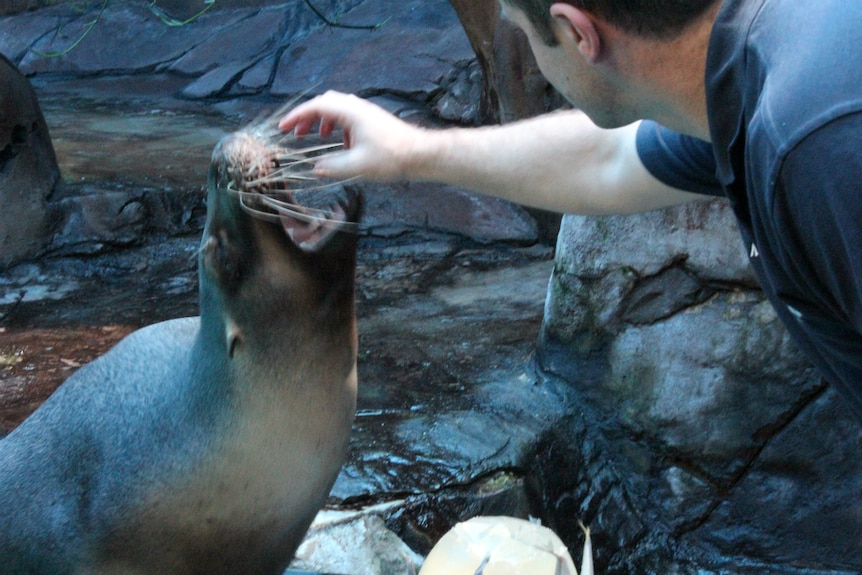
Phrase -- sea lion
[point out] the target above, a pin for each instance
(204, 445)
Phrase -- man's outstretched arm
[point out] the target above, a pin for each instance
(559, 161)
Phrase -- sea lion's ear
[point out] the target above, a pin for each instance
(233, 337)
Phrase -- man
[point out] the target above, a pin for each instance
(759, 100)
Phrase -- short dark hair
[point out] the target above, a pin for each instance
(661, 19)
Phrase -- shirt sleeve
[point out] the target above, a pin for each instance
(682, 162)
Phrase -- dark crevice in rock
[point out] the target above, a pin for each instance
(17, 140)
(420, 97)
(765, 436)
(767, 432)
(662, 295)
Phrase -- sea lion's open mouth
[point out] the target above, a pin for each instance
(266, 176)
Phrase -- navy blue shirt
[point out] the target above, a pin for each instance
(784, 99)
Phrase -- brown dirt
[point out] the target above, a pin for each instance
(33, 362)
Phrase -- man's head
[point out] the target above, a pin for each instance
(659, 19)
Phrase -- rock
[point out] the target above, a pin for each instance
(256, 78)
(459, 102)
(241, 41)
(451, 210)
(728, 361)
(28, 168)
(15, 6)
(91, 222)
(703, 235)
(357, 543)
(278, 49)
(799, 488)
(245, 51)
(95, 220)
(718, 438)
(126, 39)
(184, 9)
(664, 294)
(215, 82)
(19, 33)
(409, 54)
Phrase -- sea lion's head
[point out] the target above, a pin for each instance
(278, 254)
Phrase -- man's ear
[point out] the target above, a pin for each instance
(581, 29)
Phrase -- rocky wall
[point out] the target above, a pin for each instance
(707, 440)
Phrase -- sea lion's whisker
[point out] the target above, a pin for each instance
(266, 124)
(310, 215)
(260, 214)
(288, 161)
(275, 116)
(322, 185)
(290, 207)
(313, 149)
(277, 177)
(284, 174)
(302, 213)
(292, 169)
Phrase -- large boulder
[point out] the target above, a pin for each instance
(28, 168)
(718, 434)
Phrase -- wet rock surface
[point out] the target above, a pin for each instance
(718, 438)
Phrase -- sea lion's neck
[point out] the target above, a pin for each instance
(211, 341)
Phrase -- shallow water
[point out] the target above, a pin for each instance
(145, 148)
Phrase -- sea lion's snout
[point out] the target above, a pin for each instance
(245, 163)
(267, 175)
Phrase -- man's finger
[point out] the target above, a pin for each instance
(333, 165)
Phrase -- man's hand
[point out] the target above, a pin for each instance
(376, 143)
